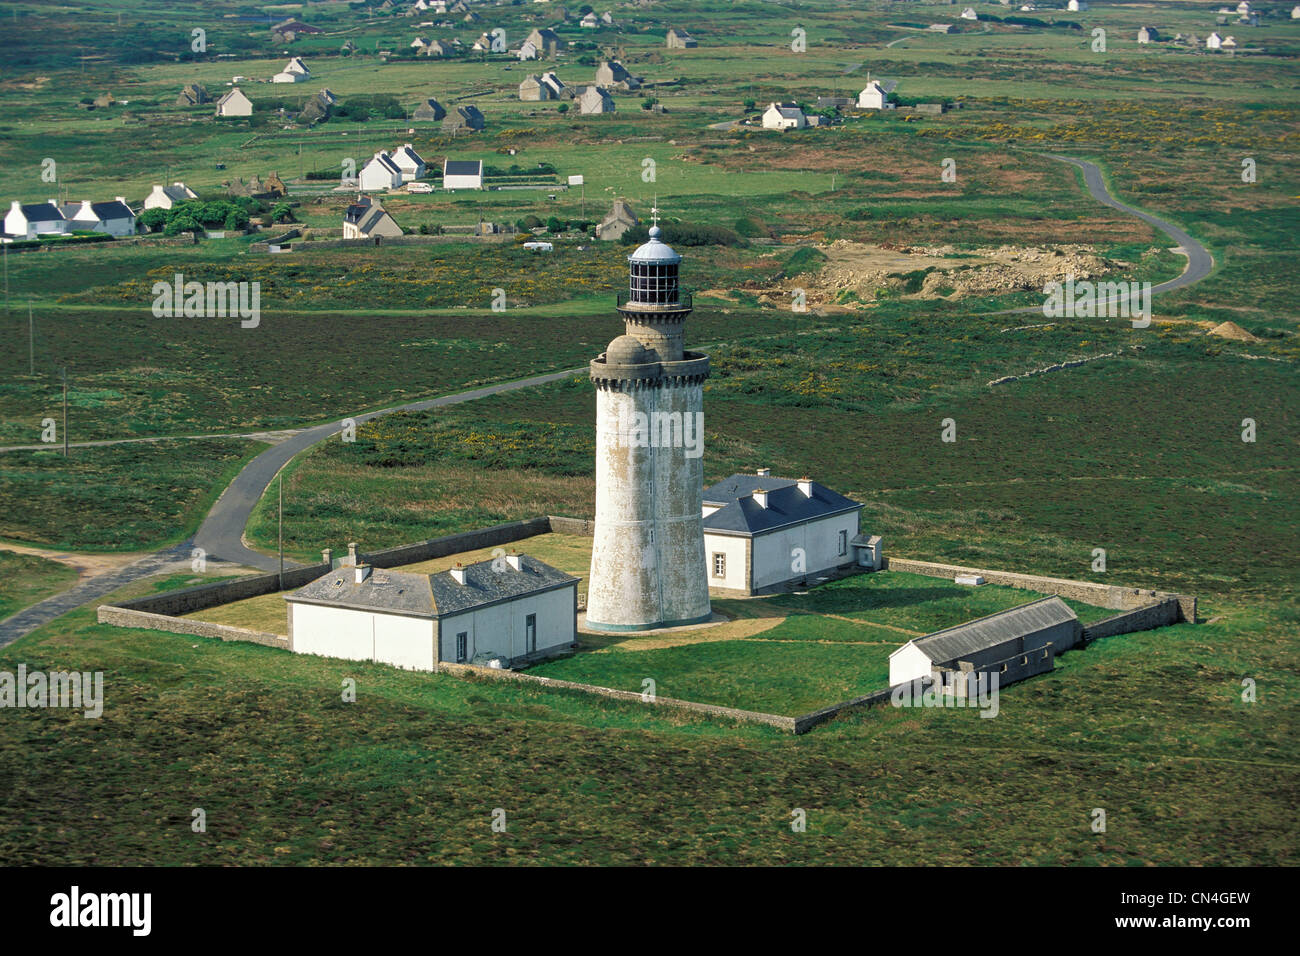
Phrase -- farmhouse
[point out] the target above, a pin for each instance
(464, 118)
(784, 116)
(439, 48)
(295, 71)
(193, 94)
(875, 96)
(1213, 41)
(1077, 6)
(546, 41)
(234, 103)
(611, 74)
(380, 173)
(620, 220)
(162, 197)
(527, 51)
(112, 218)
(970, 14)
(317, 108)
(409, 162)
(35, 219)
(509, 610)
(680, 40)
(428, 111)
(290, 30)
(462, 174)
(589, 22)
(533, 88)
(763, 533)
(1014, 644)
(556, 85)
(1148, 35)
(366, 219)
(595, 100)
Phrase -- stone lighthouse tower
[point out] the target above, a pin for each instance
(647, 560)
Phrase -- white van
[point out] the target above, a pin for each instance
(419, 187)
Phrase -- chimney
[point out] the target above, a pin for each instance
(327, 557)
(362, 572)
(512, 559)
(54, 203)
(805, 485)
(458, 573)
(352, 552)
(764, 472)
(760, 496)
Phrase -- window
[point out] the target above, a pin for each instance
(719, 565)
(844, 542)
(530, 633)
(462, 646)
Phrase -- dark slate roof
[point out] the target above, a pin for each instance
(42, 212)
(739, 513)
(112, 209)
(431, 595)
(462, 167)
(956, 643)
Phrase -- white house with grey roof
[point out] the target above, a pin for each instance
(113, 218)
(367, 219)
(411, 164)
(29, 220)
(380, 173)
(508, 610)
(164, 197)
(784, 116)
(1015, 644)
(462, 174)
(762, 533)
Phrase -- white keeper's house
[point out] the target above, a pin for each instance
(762, 534)
(510, 610)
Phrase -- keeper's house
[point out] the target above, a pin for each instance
(501, 612)
(1015, 644)
(763, 534)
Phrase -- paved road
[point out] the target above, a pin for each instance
(1199, 260)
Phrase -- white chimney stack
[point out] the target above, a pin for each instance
(761, 497)
(805, 485)
(362, 573)
(458, 574)
(764, 472)
(513, 561)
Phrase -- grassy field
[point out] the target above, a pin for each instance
(29, 578)
(412, 771)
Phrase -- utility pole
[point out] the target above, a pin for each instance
(280, 529)
(31, 340)
(65, 411)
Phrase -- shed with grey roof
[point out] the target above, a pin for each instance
(510, 610)
(1025, 638)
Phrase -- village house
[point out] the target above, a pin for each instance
(35, 219)
(111, 218)
(589, 22)
(409, 162)
(532, 88)
(367, 219)
(619, 221)
(164, 197)
(611, 75)
(295, 71)
(546, 41)
(528, 51)
(557, 87)
(680, 40)
(502, 611)
(1148, 35)
(753, 524)
(439, 48)
(317, 108)
(594, 100)
(1014, 644)
(462, 174)
(234, 103)
(1213, 41)
(784, 116)
(1229, 44)
(466, 118)
(483, 44)
(379, 173)
(291, 30)
(193, 94)
(875, 96)
(969, 14)
(1295, 12)
(429, 111)
(1077, 6)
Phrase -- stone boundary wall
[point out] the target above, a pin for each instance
(125, 617)
(808, 721)
(711, 710)
(579, 526)
(1146, 618)
(1100, 595)
(416, 240)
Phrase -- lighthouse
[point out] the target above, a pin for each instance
(647, 559)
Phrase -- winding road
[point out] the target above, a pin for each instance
(221, 535)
